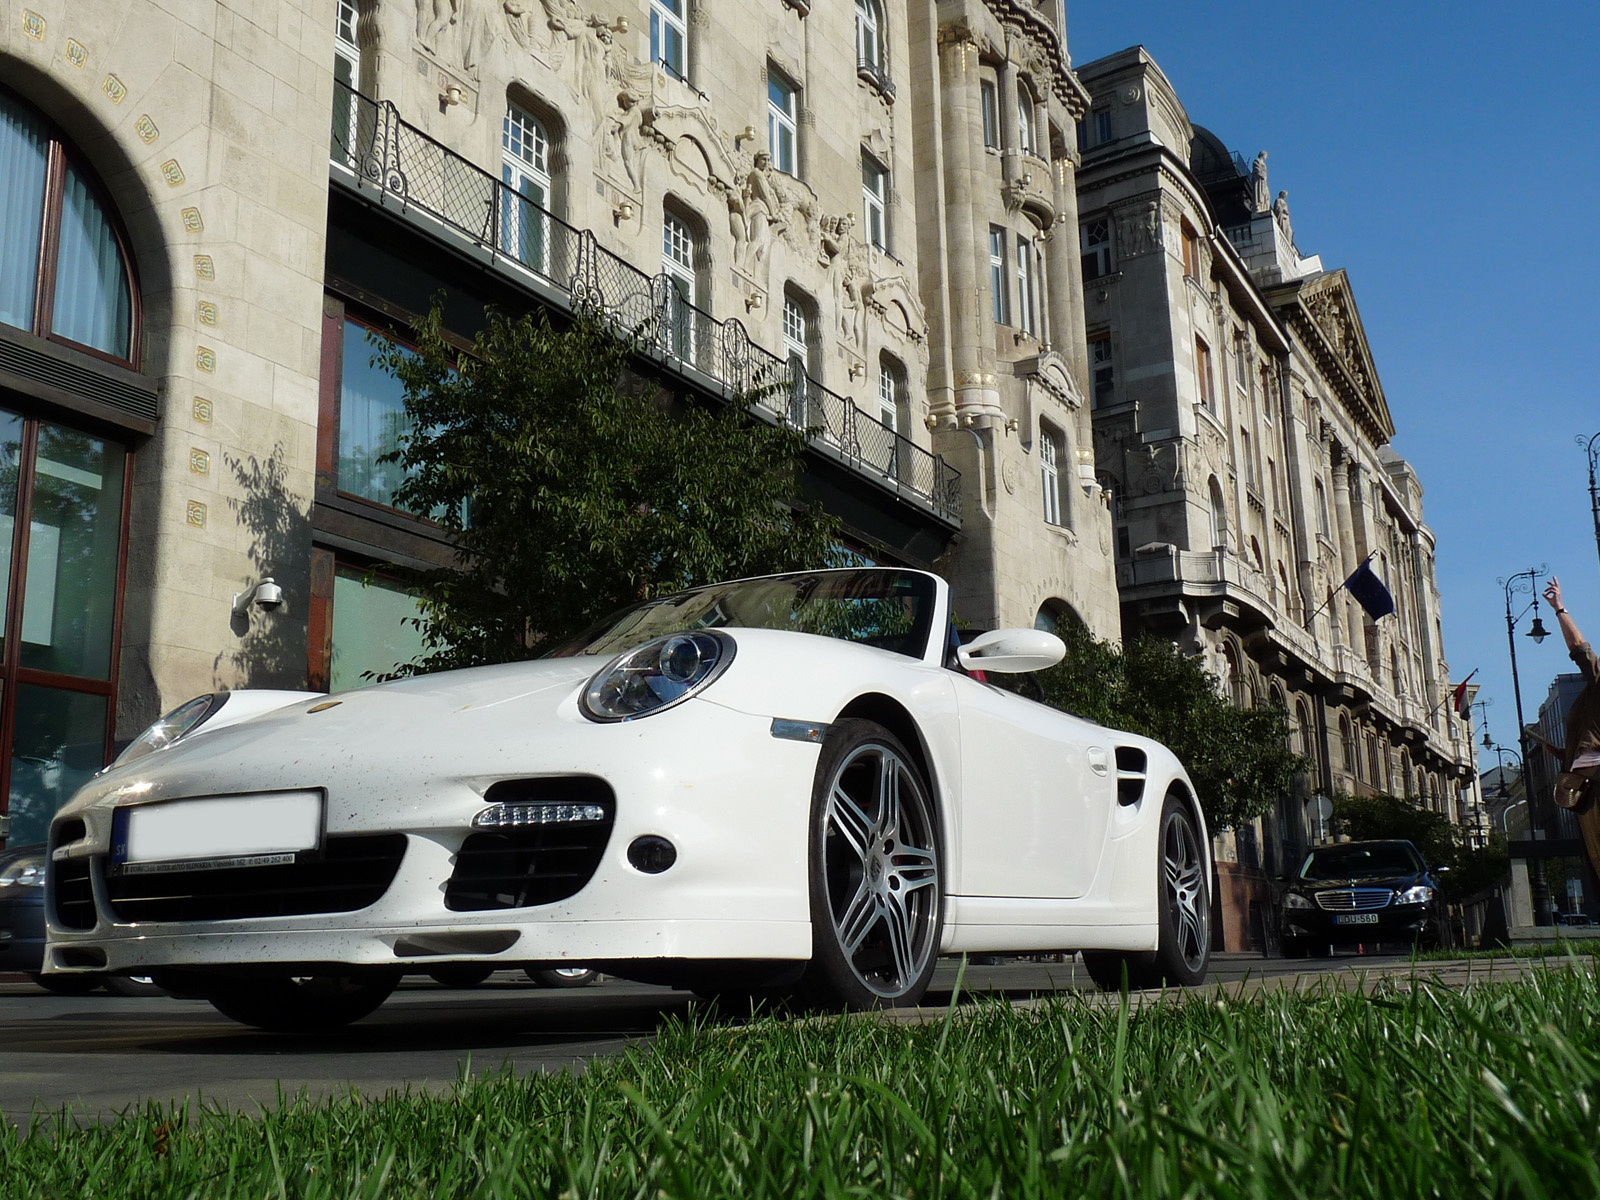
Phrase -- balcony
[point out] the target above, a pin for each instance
(876, 75)
(373, 150)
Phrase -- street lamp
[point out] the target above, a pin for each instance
(1520, 583)
(1592, 449)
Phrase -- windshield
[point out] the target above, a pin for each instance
(883, 607)
(1376, 861)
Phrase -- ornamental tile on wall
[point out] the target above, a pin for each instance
(192, 221)
(77, 53)
(202, 410)
(33, 24)
(196, 514)
(115, 89)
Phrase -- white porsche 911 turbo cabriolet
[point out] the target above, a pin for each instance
(797, 784)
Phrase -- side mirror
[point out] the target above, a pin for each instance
(1012, 651)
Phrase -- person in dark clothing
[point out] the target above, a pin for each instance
(1581, 755)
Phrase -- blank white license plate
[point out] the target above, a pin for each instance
(1356, 919)
(221, 831)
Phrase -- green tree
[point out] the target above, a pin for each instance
(575, 486)
(1238, 758)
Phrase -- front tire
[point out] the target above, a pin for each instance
(302, 1003)
(1183, 913)
(877, 874)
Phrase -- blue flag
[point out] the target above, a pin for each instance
(1369, 591)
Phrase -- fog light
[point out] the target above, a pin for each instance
(507, 816)
(651, 854)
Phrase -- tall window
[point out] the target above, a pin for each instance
(989, 104)
(347, 80)
(869, 36)
(1102, 126)
(1241, 361)
(1191, 251)
(997, 276)
(782, 115)
(525, 170)
(1027, 121)
(874, 201)
(1050, 454)
(1102, 371)
(1203, 379)
(1219, 516)
(677, 260)
(1027, 288)
(891, 409)
(669, 37)
(1247, 460)
(61, 511)
(64, 269)
(372, 418)
(1324, 526)
(1096, 238)
(797, 353)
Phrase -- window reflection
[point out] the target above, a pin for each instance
(60, 743)
(372, 416)
(371, 629)
(23, 146)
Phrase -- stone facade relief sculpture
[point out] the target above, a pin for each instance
(457, 32)
(625, 139)
(1138, 230)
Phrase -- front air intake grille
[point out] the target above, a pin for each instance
(537, 863)
(1354, 899)
(1131, 765)
(69, 880)
(353, 872)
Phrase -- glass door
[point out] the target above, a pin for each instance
(62, 536)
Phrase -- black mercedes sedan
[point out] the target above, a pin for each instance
(1360, 892)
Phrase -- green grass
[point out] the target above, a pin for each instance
(1413, 1091)
(1557, 948)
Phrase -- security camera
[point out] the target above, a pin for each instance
(266, 595)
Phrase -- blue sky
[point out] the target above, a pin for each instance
(1447, 157)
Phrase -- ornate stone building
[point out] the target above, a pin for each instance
(1242, 431)
(996, 203)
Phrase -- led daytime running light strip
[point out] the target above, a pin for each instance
(504, 816)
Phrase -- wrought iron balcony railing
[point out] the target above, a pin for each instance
(405, 164)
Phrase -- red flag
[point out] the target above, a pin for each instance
(1461, 695)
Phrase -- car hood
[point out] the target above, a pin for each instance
(1398, 882)
(478, 720)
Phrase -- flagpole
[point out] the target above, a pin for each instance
(1321, 607)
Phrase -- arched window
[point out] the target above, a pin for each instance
(1027, 121)
(680, 260)
(65, 273)
(869, 36)
(525, 204)
(892, 412)
(1219, 516)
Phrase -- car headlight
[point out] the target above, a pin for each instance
(1420, 894)
(26, 870)
(657, 675)
(1295, 900)
(178, 723)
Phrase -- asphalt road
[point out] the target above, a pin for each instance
(97, 1055)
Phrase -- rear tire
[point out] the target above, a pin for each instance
(563, 977)
(877, 873)
(1183, 913)
(301, 1003)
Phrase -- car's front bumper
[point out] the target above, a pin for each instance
(1396, 923)
(733, 800)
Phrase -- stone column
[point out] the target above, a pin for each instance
(1066, 328)
(976, 387)
(1347, 554)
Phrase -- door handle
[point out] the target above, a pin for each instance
(1097, 760)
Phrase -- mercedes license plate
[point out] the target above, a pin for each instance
(1356, 919)
(216, 832)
